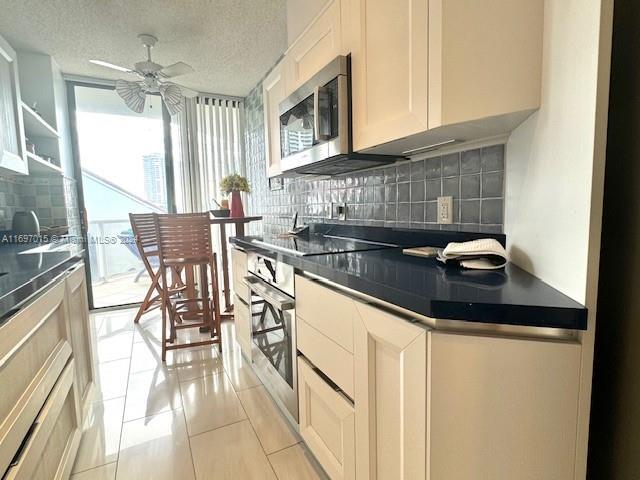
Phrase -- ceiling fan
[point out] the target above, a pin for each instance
(154, 80)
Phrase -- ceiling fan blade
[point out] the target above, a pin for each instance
(111, 65)
(187, 92)
(172, 96)
(132, 94)
(179, 68)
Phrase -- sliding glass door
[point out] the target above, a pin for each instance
(123, 168)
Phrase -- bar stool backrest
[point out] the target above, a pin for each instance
(184, 237)
(144, 231)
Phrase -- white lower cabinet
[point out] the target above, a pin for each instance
(49, 449)
(502, 408)
(46, 373)
(390, 378)
(431, 404)
(239, 271)
(326, 423)
(78, 311)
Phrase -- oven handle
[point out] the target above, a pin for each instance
(316, 114)
(270, 294)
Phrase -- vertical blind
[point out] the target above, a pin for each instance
(210, 146)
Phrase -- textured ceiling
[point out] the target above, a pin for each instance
(230, 43)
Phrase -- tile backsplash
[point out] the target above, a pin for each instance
(54, 199)
(403, 195)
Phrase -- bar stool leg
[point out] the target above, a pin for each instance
(216, 328)
(163, 306)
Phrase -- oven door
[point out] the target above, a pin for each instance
(273, 349)
(314, 120)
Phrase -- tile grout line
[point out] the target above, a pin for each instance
(124, 408)
(186, 427)
(266, 456)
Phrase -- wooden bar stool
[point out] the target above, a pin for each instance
(184, 242)
(144, 232)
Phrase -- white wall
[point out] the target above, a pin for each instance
(299, 15)
(555, 169)
(62, 121)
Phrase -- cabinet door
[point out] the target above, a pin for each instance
(12, 142)
(389, 70)
(80, 331)
(273, 92)
(390, 355)
(485, 59)
(315, 48)
(502, 407)
(326, 423)
(239, 271)
(242, 317)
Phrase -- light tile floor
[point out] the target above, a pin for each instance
(120, 290)
(201, 415)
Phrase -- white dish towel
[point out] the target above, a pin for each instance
(481, 254)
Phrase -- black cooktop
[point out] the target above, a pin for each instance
(316, 244)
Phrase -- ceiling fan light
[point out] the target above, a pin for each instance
(132, 94)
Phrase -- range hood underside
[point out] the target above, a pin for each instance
(341, 164)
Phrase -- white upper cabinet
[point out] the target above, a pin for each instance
(12, 141)
(389, 70)
(320, 43)
(431, 71)
(273, 92)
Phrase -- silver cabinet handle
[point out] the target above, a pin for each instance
(272, 295)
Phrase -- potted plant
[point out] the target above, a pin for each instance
(234, 184)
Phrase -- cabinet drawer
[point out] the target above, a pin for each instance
(329, 312)
(333, 360)
(239, 271)
(34, 348)
(51, 445)
(326, 423)
(243, 325)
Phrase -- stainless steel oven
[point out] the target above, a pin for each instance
(315, 126)
(273, 329)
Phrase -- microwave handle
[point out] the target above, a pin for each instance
(316, 114)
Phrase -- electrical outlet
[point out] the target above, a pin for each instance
(445, 210)
(342, 211)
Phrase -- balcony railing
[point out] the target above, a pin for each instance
(110, 250)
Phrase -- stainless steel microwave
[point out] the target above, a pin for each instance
(315, 126)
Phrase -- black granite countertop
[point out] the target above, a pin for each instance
(425, 286)
(28, 268)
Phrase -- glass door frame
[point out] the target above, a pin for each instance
(77, 173)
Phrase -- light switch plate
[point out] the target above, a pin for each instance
(445, 210)
(341, 211)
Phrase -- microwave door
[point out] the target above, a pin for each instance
(297, 127)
